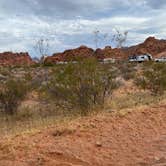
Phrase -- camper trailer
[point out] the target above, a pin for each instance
(161, 59)
(140, 58)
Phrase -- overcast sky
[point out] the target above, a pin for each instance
(70, 23)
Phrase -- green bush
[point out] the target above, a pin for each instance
(12, 92)
(153, 78)
(82, 85)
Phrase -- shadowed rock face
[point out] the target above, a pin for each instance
(12, 59)
(151, 45)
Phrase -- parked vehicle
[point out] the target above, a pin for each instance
(108, 60)
(161, 59)
(140, 58)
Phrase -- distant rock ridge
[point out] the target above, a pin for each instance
(71, 55)
(13, 59)
(151, 45)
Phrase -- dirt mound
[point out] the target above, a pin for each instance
(12, 59)
(137, 138)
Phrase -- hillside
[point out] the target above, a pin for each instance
(151, 45)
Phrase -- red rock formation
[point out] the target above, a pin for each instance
(151, 45)
(12, 59)
(71, 55)
(108, 52)
(162, 54)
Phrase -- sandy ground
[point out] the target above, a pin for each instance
(135, 139)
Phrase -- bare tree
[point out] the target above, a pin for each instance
(96, 37)
(42, 47)
(120, 38)
(100, 37)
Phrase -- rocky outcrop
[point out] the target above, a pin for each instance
(155, 47)
(151, 45)
(71, 55)
(108, 52)
(162, 54)
(13, 59)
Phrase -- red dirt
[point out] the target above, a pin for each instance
(136, 139)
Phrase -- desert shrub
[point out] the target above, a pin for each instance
(153, 78)
(4, 71)
(48, 64)
(127, 70)
(12, 92)
(82, 85)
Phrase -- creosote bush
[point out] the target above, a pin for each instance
(82, 85)
(153, 78)
(12, 92)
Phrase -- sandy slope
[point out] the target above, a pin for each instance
(136, 139)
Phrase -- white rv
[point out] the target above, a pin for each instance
(140, 58)
(161, 59)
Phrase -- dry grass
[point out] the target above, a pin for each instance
(13, 127)
(134, 100)
(129, 97)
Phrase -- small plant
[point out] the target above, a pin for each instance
(12, 93)
(153, 78)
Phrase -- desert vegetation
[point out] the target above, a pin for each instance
(82, 83)
(11, 94)
(39, 95)
(82, 86)
(153, 78)
(56, 107)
